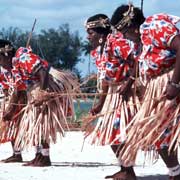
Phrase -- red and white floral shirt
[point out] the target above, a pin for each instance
(25, 66)
(5, 78)
(113, 64)
(157, 33)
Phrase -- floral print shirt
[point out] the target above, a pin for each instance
(25, 66)
(113, 64)
(157, 33)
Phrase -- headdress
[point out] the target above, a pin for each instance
(127, 18)
(100, 23)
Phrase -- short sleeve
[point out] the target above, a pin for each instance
(117, 52)
(159, 31)
(28, 62)
(19, 83)
(120, 47)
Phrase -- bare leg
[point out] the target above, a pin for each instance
(38, 155)
(44, 160)
(171, 161)
(126, 173)
(16, 157)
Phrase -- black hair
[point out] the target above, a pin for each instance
(101, 30)
(136, 21)
(4, 42)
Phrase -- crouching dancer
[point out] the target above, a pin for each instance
(49, 103)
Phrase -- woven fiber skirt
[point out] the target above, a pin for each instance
(44, 122)
(109, 126)
(9, 129)
(155, 124)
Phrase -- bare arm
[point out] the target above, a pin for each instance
(175, 44)
(44, 78)
(172, 91)
(98, 107)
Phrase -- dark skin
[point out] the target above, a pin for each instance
(44, 80)
(18, 97)
(171, 91)
(93, 37)
(170, 158)
(132, 33)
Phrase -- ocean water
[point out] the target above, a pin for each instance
(82, 108)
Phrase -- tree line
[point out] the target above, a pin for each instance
(62, 48)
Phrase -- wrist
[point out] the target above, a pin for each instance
(132, 78)
(175, 85)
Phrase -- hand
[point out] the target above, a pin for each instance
(37, 102)
(96, 109)
(7, 116)
(171, 91)
(125, 91)
(9, 113)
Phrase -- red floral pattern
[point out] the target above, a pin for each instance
(113, 65)
(113, 61)
(25, 65)
(157, 33)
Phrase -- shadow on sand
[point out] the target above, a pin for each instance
(97, 164)
(81, 164)
(155, 177)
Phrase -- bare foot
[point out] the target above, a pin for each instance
(122, 175)
(175, 177)
(12, 159)
(43, 161)
(30, 163)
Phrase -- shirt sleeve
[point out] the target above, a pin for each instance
(160, 32)
(121, 48)
(118, 50)
(19, 83)
(29, 62)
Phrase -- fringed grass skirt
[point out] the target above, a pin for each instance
(43, 123)
(155, 124)
(9, 129)
(110, 123)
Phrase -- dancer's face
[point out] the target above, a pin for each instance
(93, 38)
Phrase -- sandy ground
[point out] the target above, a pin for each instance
(70, 161)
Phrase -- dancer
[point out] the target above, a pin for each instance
(112, 55)
(49, 103)
(8, 108)
(159, 38)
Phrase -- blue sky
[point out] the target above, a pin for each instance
(53, 13)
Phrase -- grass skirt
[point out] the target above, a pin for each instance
(43, 123)
(9, 129)
(105, 128)
(155, 125)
